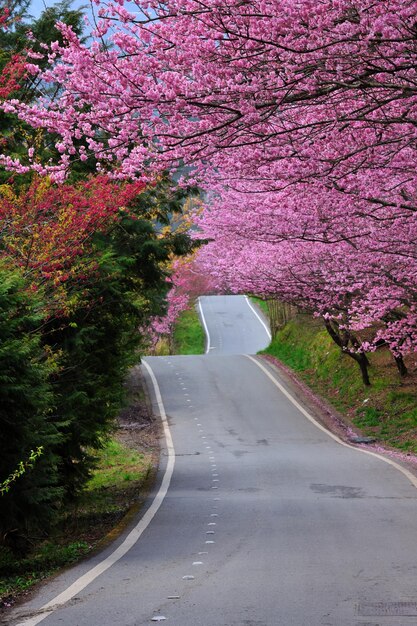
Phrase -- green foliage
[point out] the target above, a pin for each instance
(189, 336)
(101, 339)
(106, 498)
(19, 574)
(21, 469)
(29, 506)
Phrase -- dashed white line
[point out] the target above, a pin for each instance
(87, 578)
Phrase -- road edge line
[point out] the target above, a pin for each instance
(203, 319)
(403, 470)
(133, 536)
(259, 317)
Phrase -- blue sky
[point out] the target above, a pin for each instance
(37, 6)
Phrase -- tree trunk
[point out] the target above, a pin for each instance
(401, 365)
(342, 342)
(361, 358)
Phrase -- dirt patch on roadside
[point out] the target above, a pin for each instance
(137, 426)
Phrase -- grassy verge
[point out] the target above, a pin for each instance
(112, 490)
(189, 337)
(387, 410)
(261, 303)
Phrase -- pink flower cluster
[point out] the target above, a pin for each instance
(299, 119)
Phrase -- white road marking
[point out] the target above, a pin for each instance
(198, 563)
(403, 470)
(188, 577)
(87, 578)
(201, 553)
(203, 319)
(210, 542)
(259, 317)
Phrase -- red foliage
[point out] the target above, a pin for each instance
(13, 73)
(47, 230)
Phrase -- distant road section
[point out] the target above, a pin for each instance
(233, 325)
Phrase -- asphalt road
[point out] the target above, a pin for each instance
(233, 325)
(267, 520)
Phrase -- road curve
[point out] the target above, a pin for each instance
(233, 325)
(267, 520)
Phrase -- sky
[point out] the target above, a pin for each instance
(37, 6)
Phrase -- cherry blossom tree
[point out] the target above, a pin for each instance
(297, 118)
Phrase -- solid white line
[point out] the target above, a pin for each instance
(203, 319)
(259, 317)
(131, 538)
(403, 470)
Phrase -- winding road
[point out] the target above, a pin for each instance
(260, 517)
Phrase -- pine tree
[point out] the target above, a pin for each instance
(30, 505)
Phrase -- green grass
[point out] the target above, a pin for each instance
(189, 337)
(108, 495)
(387, 410)
(117, 465)
(261, 303)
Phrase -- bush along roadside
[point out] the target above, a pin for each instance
(385, 410)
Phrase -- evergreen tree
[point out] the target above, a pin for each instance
(25, 422)
(102, 338)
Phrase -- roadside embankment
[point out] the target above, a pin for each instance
(386, 410)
